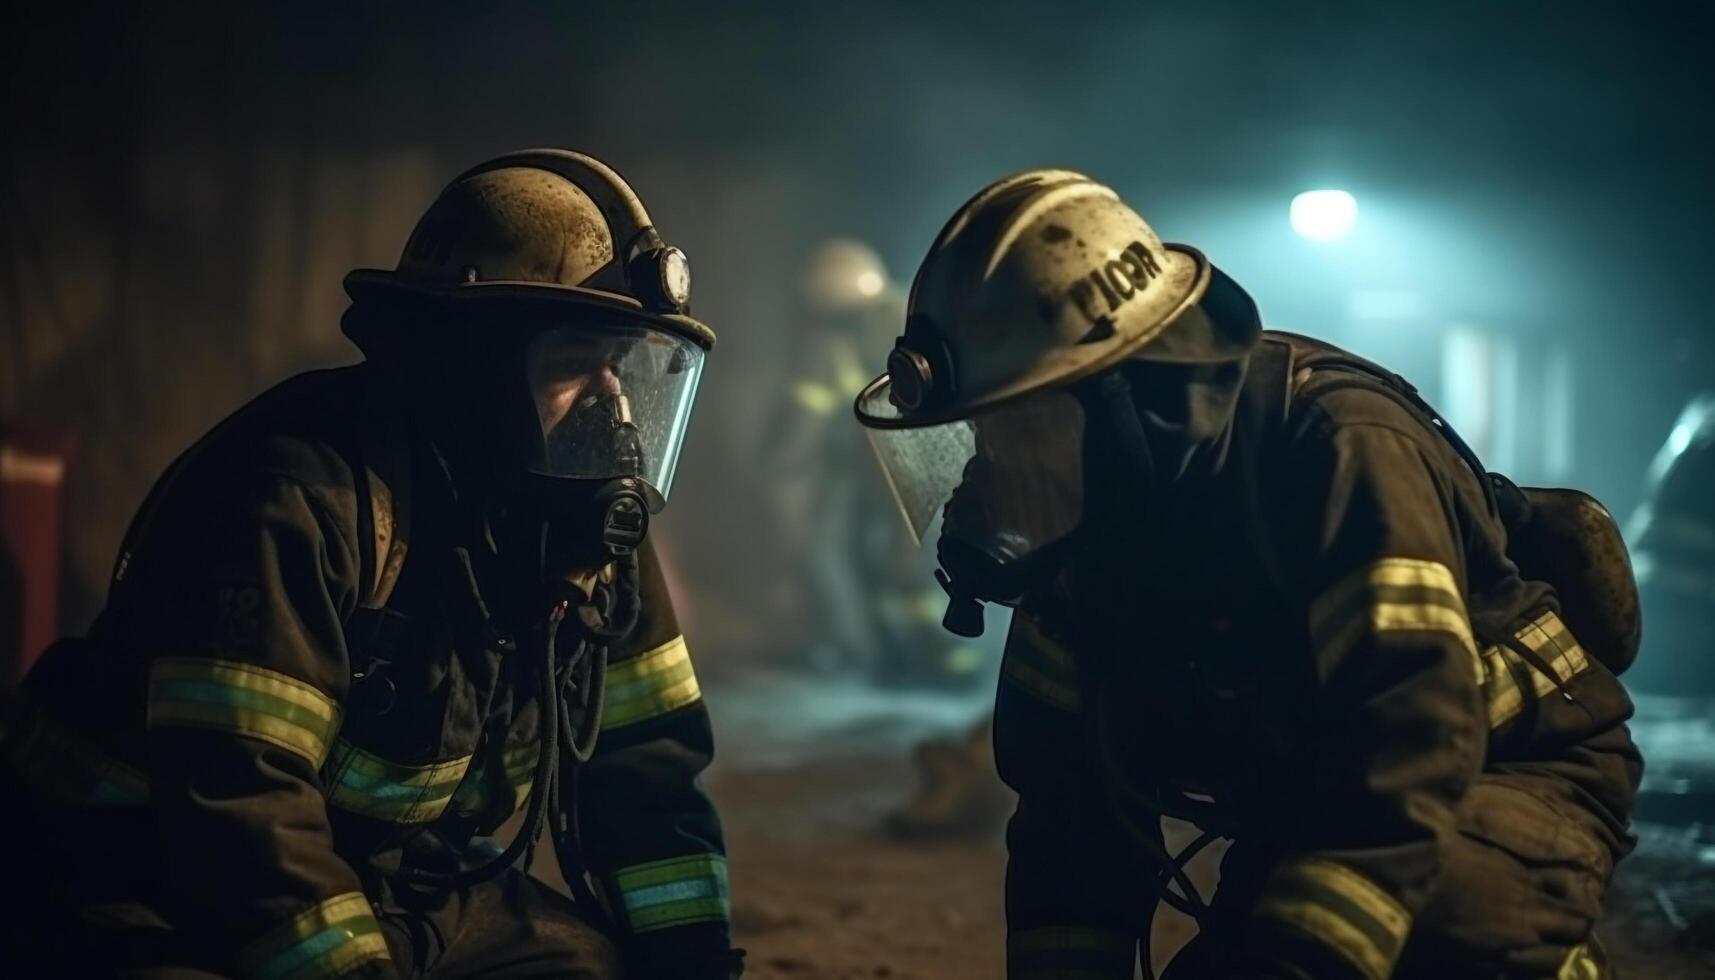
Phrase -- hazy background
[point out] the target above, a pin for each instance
(183, 188)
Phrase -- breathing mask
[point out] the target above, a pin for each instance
(1007, 486)
(610, 405)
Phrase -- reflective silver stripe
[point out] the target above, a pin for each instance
(1392, 594)
(1070, 953)
(1039, 665)
(1508, 676)
(1339, 908)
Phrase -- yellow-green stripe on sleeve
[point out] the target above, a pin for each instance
(1510, 682)
(1393, 594)
(1039, 665)
(325, 941)
(242, 699)
(1339, 908)
(674, 892)
(647, 686)
(519, 763)
(362, 782)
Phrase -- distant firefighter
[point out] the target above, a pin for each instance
(868, 614)
(1261, 587)
(380, 611)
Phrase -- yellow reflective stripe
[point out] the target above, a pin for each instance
(1580, 964)
(325, 941)
(674, 892)
(362, 782)
(1329, 929)
(1039, 665)
(1500, 686)
(243, 699)
(1396, 572)
(1546, 636)
(519, 763)
(1339, 908)
(1548, 633)
(650, 685)
(1391, 594)
(1070, 953)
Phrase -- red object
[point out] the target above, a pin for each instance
(34, 462)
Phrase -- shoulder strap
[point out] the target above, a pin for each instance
(1323, 358)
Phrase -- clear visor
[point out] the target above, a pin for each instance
(611, 402)
(1010, 481)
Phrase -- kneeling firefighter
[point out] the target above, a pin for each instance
(381, 610)
(1261, 588)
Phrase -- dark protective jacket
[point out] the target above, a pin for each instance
(211, 738)
(1316, 627)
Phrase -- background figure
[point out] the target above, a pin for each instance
(862, 584)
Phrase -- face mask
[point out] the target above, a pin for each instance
(1007, 486)
(589, 521)
(610, 408)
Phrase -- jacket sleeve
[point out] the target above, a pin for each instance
(649, 832)
(1399, 724)
(1072, 903)
(247, 673)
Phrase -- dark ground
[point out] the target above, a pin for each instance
(821, 892)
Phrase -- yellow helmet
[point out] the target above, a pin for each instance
(1041, 279)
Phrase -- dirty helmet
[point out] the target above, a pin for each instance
(1041, 280)
(552, 255)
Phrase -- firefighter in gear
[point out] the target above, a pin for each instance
(847, 555)
(1256, 588)
(380, 611)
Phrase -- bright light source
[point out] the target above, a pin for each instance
(869, 283)
(1324, 216)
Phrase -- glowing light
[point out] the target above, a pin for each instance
(869, 282)
(1324, 216)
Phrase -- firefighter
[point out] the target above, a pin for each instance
(383, 609)
(1257, 588)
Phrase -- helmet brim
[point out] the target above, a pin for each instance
(1061, 366)
(383, 287)
(1221, 327)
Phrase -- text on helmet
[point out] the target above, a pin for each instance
(1116, 281)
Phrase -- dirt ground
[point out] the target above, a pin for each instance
(808, 771)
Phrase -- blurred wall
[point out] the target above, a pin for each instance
(184, 186)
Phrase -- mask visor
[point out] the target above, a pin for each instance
(1009, 480)
(611, 401)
